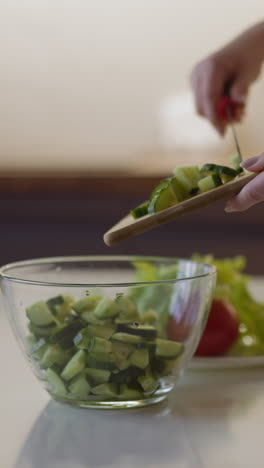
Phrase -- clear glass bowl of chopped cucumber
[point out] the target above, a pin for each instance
(95, 330)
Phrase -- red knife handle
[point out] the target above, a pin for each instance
(226, 101)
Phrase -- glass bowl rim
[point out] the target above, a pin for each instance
(100, 258)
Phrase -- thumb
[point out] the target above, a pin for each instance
(239, 90)
(250, 195)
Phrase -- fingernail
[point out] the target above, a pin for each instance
(249, 162)
(229, 208)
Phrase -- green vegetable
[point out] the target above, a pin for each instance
(233, 285)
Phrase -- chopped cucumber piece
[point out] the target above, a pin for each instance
(139, 358)
(146, 331)
(100, 331)
(163, 199)
(129, 393)
(79, 387)
(149, 317)
(94, 344)
(53, 354)
(38, 349)
(42, 331)
(74, 366)
(127, 309)
(127, 338)
(121, 349)
(102, 361)
(140, 210)
(127, 375)
(184, 180)
(168, 349)
(161, 185)
(97, 376)
(39, 314)
(148, 382)
(105, 390)
(225, 173)
(30, 340)
(86, 304)
(60, 307)
(57, 385)
(106, 309)
(65, 336)
(235, 158)
(187, 177)
(209, 182)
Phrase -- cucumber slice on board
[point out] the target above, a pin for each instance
(163, 199)
(209, 182)
(140, 210)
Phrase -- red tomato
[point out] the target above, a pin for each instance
(221, 330)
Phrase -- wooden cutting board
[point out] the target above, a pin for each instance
(130, 227)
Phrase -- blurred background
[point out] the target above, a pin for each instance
(96, 107)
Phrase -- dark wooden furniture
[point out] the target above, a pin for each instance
(67, 214)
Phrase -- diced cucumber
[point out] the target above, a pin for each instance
(94, 344)
(42, 331)
(57, 385)
(235, 158)
(38, 349)
(40, 315)
(100, 331)
(79, 387)
(53, 354)
(101, 361)
(97, 376)
(127, 338)
(140, 210)
(139, 358)
(168, 349)
(60, 307)
(86, 304)
(186, 177)
(122, 349)
(161, 185)
(74, 366)
(146, 331)
(225, 173)
(30, 341)
(105, 390)
(106, 309)
(91, 319)
(209, 182)
(149, 317)
(65, 336)
(148, 382)
(129, 393)
(163, 199)
(127, 309)
(127, 375)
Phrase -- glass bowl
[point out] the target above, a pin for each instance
(108, 331)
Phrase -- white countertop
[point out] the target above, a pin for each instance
(213, 419)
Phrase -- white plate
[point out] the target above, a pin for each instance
(229, 362)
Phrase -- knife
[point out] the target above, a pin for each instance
(226, 110)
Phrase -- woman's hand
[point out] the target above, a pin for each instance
(253, 192)
(230, 70)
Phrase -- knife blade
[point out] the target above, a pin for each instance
(226, 110)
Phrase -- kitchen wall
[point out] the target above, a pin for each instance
(104, 84)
